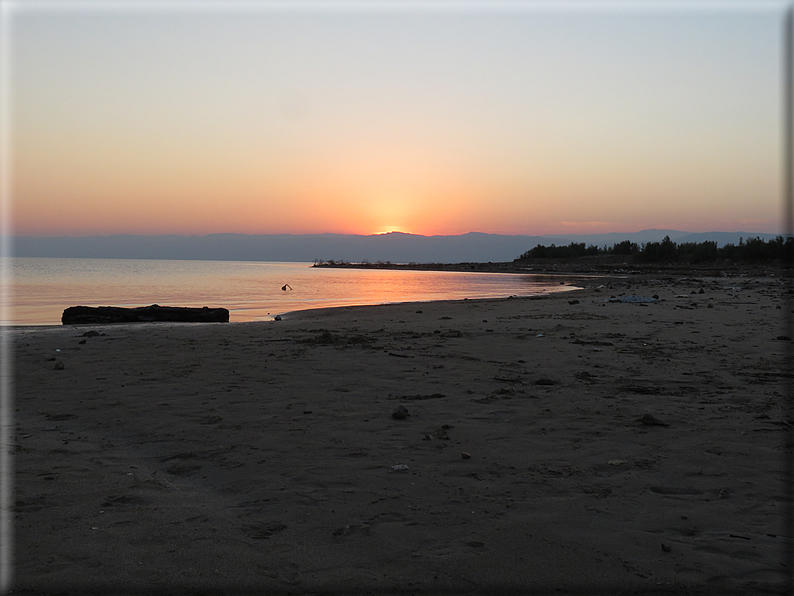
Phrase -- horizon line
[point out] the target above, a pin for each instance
(392, 232)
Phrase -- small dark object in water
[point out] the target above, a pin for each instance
(545, 381)
(143, 314)
(573, 302)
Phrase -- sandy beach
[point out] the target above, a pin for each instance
(563, 444)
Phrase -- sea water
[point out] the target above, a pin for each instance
(37, 290)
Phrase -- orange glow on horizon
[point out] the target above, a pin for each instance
(284, 123)
(389, 230)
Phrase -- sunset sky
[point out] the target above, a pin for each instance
(426, 117)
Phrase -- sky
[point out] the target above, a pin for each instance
(432, 118)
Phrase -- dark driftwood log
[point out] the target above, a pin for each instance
(143, 314)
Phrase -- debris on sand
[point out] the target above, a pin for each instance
(400, 412)
(651, 420)
(631, 299)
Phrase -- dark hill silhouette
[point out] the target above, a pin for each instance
(396, 247)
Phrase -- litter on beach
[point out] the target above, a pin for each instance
(631, 299)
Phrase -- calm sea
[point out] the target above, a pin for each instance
(41, 288)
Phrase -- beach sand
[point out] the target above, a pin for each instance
(264, 457)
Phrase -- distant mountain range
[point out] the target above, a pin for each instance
(395, 247)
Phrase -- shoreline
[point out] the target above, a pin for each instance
(568, 272)
(330, 310)
(607, 266)
(570, 280)
(264, 456)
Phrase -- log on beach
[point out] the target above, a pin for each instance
(143, 314)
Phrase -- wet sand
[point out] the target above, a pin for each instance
(265, 457)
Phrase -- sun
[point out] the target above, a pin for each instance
(390, 228)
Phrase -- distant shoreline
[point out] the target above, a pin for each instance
(604, 266)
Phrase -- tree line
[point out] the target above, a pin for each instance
(667, 251)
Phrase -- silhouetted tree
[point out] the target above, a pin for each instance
(667, 251)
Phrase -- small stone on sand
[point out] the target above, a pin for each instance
(399, 413)
(651, 420)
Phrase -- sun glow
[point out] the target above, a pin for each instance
(390, 213)
(390, 229)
